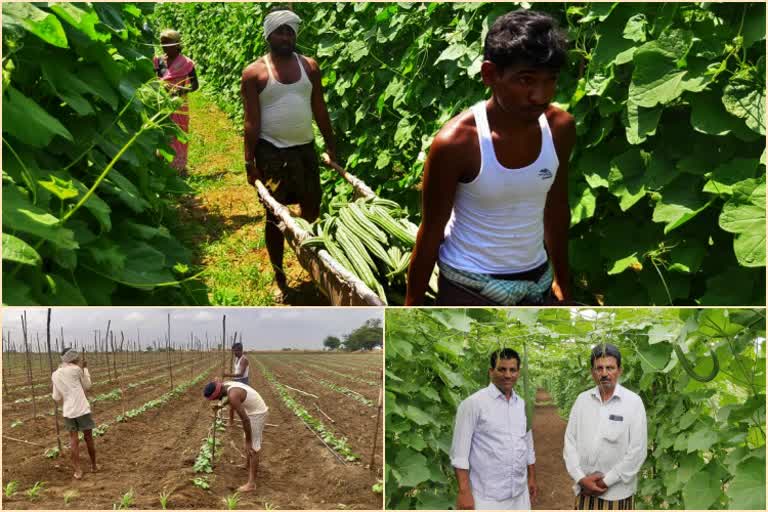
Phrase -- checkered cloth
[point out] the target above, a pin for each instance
(501, 291)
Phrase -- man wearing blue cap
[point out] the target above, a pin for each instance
(252, 410)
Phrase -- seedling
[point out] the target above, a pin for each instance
(34, 492)
(164, 499)
(52, 453)
(17, 423)
(10, 488)
(70, 495)
(378, 487)
(126, 501)
(269, 506)
(231, 501)
(201, 482)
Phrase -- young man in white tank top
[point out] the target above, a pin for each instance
(495, 212)
(241, 369)
(282, 92)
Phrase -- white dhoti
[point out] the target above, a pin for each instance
(519, 502)
(257, 428)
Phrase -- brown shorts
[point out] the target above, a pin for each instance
(291, 174)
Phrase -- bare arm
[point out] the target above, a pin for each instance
(557, 212)
(320, 109)
(249, 90)
(236, 397)
(243, 366)
(442, 172)
(464, 499)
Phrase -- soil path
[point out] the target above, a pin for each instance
(222, 222)
(555, 492)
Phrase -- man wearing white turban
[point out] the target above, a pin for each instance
(70, 381)
(282, 92)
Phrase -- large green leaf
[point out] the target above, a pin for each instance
(451, 318)
(747, 489)
(747, 101)
(28, 121)
(702, 439)
(655, 357)
(702, 490)
(744, 215)
(678, 204)
(84, 21)
(40, 23)
(412, 467)
(729, 173)
(18, 251)
(20, 215)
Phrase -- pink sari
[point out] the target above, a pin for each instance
(177, 74)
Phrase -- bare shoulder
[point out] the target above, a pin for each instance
(560, 121)
(455, 135)
(311, 66)
(255, 70)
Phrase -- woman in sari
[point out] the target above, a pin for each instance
(178, 73)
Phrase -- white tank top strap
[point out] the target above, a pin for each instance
(303, 75)
(483, 132)
(268, 61)
(547, 140)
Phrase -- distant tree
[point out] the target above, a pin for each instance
(332, 342)
(365, 337)
(149, 348)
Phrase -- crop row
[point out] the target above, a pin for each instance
(340, 389)
(338, 444)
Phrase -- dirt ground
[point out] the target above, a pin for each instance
(155, 452)
(554, 483)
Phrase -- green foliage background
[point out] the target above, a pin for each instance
(79, 92)
(706, 441)
(667, 183)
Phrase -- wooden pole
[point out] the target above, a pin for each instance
(378, 418)
(39, 353)
(50, 365)
(122, 403)
(106, 349)
(29, 363)
(168, 348)
(223, 343)
(5, 372)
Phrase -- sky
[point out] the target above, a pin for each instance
(261, 328)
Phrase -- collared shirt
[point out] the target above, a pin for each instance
(609, 437)
(490, 440)
(69, 384)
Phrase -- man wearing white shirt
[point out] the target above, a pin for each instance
(492, 450)
(606, 438)
(70, 381)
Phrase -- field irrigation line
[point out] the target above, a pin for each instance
(323, 441)
(300, 391)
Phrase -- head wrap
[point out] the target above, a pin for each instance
(279, 18)
(70, 355)
(212, 390)
(172, 36)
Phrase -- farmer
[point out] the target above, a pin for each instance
(495, 210)
(492, 450)
(70, 381)
(253, 413)
(605, 441)
(178, 73)
(282, 91)
(240, 371)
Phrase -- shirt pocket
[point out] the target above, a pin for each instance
(614, 431)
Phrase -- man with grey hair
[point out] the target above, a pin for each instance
(606, 438)
(70, 381)
(282, 91)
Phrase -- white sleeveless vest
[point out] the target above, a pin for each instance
(497, 222)
(286, 109)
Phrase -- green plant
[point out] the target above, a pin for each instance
(70, 495)
(52, 453)
(378, 487)
(126, 501)
(84, 196)
(231, 501)
(10, 488)
(201, 482)
(164, 495)
(34, 492)
(16, 423)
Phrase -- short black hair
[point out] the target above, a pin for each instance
(605, 350)
(504, 353)
(526, 37)
(237, 345)
(65, 350)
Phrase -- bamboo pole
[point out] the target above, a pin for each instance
(5, 373)
(105, 349)
(223, 342)
(39, 353)
(168, 348)
(29, 363)
(378, 419)
(50, 365)
(119, 385)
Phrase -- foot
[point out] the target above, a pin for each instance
(95, 468)
(78, 474)
(249, 487)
